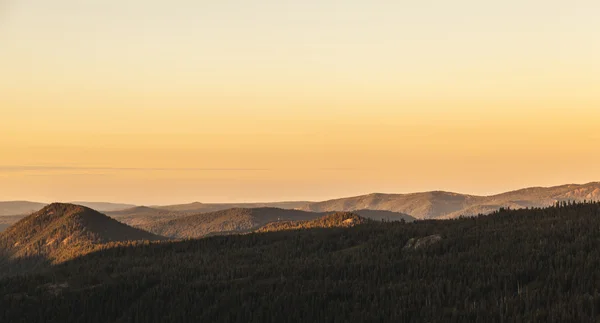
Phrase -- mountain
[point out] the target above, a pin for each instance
(13, 211)
(334, 220)
(418, 205)
(143, 215)
(198, 207)
(151, 217)
(425, 205)
(439, 204)
(19, 207)
(536, 265)
(228, 221)
(59, 232)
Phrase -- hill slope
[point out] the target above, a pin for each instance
(62, 231)
(143, 215)
(431, 205)
(235, 220)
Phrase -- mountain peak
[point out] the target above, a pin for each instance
(59, 231)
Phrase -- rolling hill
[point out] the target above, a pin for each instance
(197, 207)
(235, 220)
(438, 204)
(59, 232)
(143, 215)
(243, 220)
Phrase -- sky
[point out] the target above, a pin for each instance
(160, 102)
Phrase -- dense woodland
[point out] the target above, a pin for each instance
(535, 265)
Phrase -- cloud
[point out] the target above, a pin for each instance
(38, 168)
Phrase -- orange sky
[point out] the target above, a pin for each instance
(169, 103)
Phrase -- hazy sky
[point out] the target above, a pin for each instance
(178, 101)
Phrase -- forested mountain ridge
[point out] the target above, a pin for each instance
(536, 265)
(59, 232)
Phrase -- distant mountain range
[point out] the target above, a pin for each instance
(19, 207)
(443, 205)
(426, 205)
